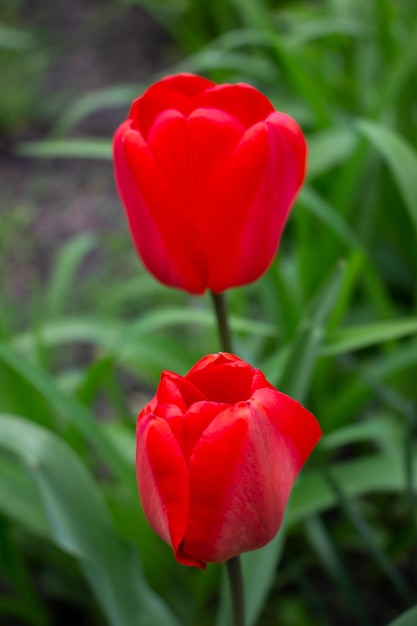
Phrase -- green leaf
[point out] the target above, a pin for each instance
(14, 39)
(210, 59)
(379, 472)
(305, 350)
(18, 499)
(64, 269)
(67, 406)
(383, 430)
(329, 148)
(328, 215)
(400, 157)
(359, 337)
(80, 524)
(66, 149)
(112, 335)
(259, 570)
(93, 101)
(304, 32)
(328, 554)
(400, 71)
(409, 618)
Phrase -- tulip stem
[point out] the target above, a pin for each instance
(234, 572)
(223, 327)
(233, 566)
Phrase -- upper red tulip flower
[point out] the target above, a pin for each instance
(217, 453)
(207, 174)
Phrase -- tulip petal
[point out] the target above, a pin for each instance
(236, 382)
(259, 382)
(232, 259)
(244, 102)
(196, 420)
(214, 480)
(175, 389)
(258, 185)
(211, 467)
(172, 92)
(239, 504)
(290, 418)
(174, 417)
(213, 359)
(174, 174)
(191, 151)
(208, 174)
(160, 228)
(163, 481)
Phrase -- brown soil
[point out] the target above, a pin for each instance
(44, 202)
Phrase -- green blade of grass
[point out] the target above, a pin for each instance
(409, 618)
(400, 157)
(80, 524)
(328, 148)
(326, 551)
(66, 264)
(86, 105)
(67, 406)
(377, 473)
(369, 540)
(358, 337)
(18, 500)
(316, 205)
(306, 347)
(15, 39)
(66, 149)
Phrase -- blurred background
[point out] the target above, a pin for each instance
(85, 332)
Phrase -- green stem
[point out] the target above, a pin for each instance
(234, 572)
(233, 566)
(223, 327)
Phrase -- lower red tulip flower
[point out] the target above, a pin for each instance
(207, 174)
(217, 453)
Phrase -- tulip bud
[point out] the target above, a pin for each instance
(207, 174)
(217, 453)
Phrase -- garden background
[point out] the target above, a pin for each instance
(85, 332)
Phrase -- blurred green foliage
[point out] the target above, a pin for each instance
(333, 323)
(22, 60)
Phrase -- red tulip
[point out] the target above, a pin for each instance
(217, 453)
(207, 174)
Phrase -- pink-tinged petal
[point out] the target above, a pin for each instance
(212, 465)
(161, 229)
(172, 92)
(237, 503)
(175, 389)
(244, 102)
(163, 480)
(297, 424)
